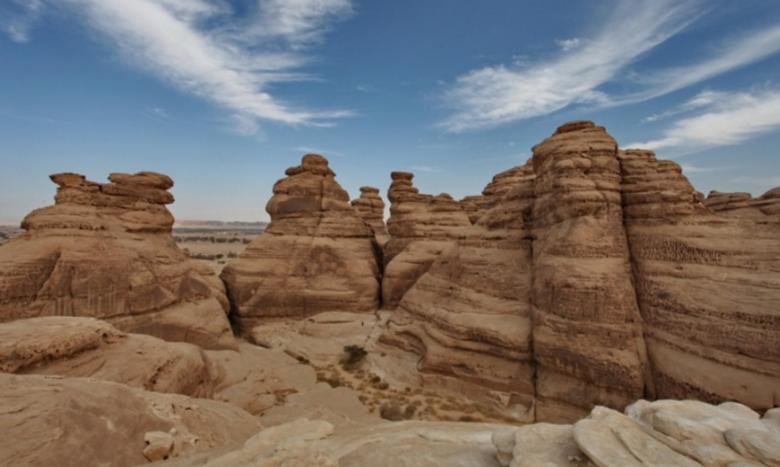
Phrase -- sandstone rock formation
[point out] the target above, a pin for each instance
(105, 251)
(707, 287)
(502, 183)
(372, 209)
(316, 255)
(665, 432)
(744, 205)
(599, 277)
(421, 227)
(252, 378)
(48, 420)
(468, 317)
(587, 333)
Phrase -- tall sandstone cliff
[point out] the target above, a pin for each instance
(592, 276)
(106, 251)
(316, 255)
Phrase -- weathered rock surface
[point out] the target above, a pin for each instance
(48, 420)
(421, 227)
(105, 251)
(252, 378)
(744, 205)
(707, 286)
(500, 185)
(316, 255)
(664, 432)
(372, 209)
(305, 442)
(608, 262)
(468, 317)
(587, 331)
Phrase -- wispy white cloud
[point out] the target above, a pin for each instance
(694, 169)
(732, 118)
(298, 22)
(703, 99)
(734, 53)
(499, 94)
(568, 44)
(203, 48)
(580, 72)
(17, 18)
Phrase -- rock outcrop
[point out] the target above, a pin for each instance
(316, 255)
(372, 209)
(664, 432)
(421, 227)
(599, 277)
(707, 287)
(49, 420)
(253, 378)
(105, 251)
(500, 185)
(744, 205)
(587, 331)
(468, 317)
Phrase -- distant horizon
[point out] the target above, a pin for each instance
(224, 95)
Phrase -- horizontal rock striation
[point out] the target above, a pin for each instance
(372, 209)
(421, 226)
(468, 316)
(597, 278)
(587, 333)
(708, 288)
(744, 205)
(105, 251)
(316, 255)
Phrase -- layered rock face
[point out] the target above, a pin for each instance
(421, 227)
(316, 255)
(599, 277)
(500, 185)
(105, 251)
(372, 209)
(708, 288)
(587, 333)
(468, 316)
(744, 205)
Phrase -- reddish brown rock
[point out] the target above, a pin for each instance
(316, 255)
(708, 287)
(421, 227)
(499, 186)
(587, 333)
(105, 251)
(744, 205)
(372, 209)
(468, 317)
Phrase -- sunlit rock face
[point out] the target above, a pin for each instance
(766, 206)
(372, 209)
(316, 255)
(708, 286)
(106, 251)
(596, 277)
(587, 332)
(421, 226)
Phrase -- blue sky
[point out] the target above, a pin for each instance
(224, 95)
